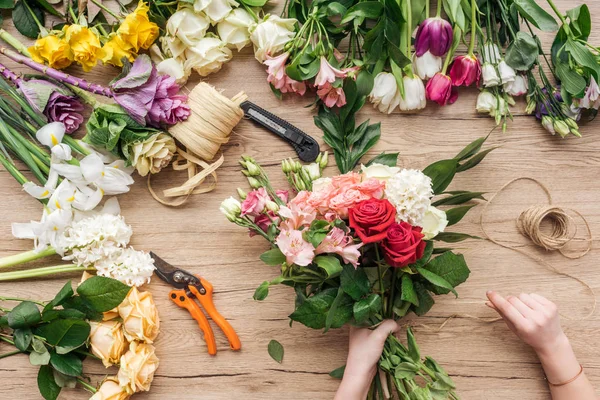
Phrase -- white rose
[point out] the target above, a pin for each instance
(379, 171)
(385, 95)
(434, 222)
(490, 75)
(207, 56)
(187, 26)
(215, 10)
(427, 65)
(414, 94)
(507, 73)
(234, 29)
(174, 67)
(321, 184)
(270, 35)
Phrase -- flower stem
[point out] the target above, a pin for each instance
(27, 256)
(439, 9)
(37, 272)
(108, 10)
(43, 31)
(408, 28)
(58, 75)
(13, 170)
(39, 303)
(14, 42)
(473, 26)
(557, 12)
(87, 386)
(12, 353)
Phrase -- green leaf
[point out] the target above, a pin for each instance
(254, 3)
(103, 294)
(39, 358)
(405, 371)
(454, 215)
(63, 295)
(69, 313)
(65, 381)
(313, 311)
(338, 373)
(22, 338)
(583, 56)
(389, 159)
(7, 4)
(65, 332)
(330, 264)
(24, 21)
(408, 290)
(38, 345)
(523, 52)
(364, 83)
(366, 308)
(77, 303)
(68, 364)
(436, 280)
(335, 8)
(450, 267)
(275, 351)
(454, 237)
(581, 21)
(441, 174)
(365, 9)
(273, 257)
(4, 321)
(413, 348)
(536, 15)
(456, 198)
(262, 291)
(471, 149)
(354, 282)
(48, 8)
(474, 161)
(24, 315)
(46, 383)
(421, 393)
(574, 83)
(334, 306)
(425, 300)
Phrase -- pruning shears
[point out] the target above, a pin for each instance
(189, 287)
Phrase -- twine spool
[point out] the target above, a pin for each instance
(212, 119)
(530, 222)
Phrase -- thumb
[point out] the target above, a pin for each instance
(384, 330)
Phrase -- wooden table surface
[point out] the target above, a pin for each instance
(485, 359)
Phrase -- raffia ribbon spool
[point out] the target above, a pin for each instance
(213, 117)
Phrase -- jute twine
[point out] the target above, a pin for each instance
(563, 231)
(212, 119)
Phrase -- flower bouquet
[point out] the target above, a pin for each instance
(359, 248)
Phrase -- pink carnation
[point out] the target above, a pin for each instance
(296, 250)
(337, 242)
(255, 202)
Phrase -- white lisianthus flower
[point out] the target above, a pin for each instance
(486, 102)
(270, 35)
(132, 267)
(231, 208)
(507, 73)
(207, 56)
(378, 171)
(490, 75)
(414, 94)
(234, 30)
(215, 10)
(187, 26)
(491, 53)
(313, 170)
(410, 192)
(518, 87)
(434, 222)
(427, 65)
(321, 184)
(385, 95)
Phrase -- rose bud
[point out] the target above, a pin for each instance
(107, 341)
(465, 71)
(138, 366)
(434, 35)
(140, 316)
(111, 390)
(403, 245)
(439, 89)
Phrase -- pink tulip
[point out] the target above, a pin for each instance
(434, 35)
(439, 89)
(327, 74)
(332, 96)
(465, 71)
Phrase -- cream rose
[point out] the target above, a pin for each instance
(140, 316)
(434, 222)
(234, 29)
(111, 390)
(215, 10)
(107, 341)
(379, 171)
(207, 56)
(270, 35)
(138, 366)
(187, 26)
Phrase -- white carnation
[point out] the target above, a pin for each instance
(410, 192)
(134, 268)
(95, 238)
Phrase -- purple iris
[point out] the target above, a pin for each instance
(434, 35)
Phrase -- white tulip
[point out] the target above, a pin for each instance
(491, 53)
(207, 56)
(518, 87)
(414, 94)
(490, 75)
(270, 35)
(215, 10)
(234, 29)
(187, 26)
(427, 65)
(486, 102)
(378, 171)
(434, 222)
(385, 95)
(507, 73)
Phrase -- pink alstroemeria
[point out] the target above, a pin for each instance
(296, 217)
(339, 243)
(327, 74)
(332, 96)
(276, 70)
(292, 86)
(296, 250)
(255, 202)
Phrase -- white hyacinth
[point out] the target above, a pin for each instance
(96, 238)
(134, 268)
(410, 192)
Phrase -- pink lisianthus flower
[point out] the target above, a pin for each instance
(296, 250)
(264, 221)
(339, 243)
(301, 199)
(331, 96)
(296, 217)
(255, 202)
(283, 195)
(327, 74)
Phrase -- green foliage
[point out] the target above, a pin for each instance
(523, 52)
(273, 257)
(276, 351)
(103, 294)
(23, 18)
(24, 315)
(536, 15)
(46, 383)
(338, 373)
(389, 159)
(314, 310)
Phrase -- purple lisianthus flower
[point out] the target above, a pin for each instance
(65, 109)
(543, 106)
(434, 35)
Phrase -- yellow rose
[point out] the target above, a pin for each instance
(115, 50)
(137, 368)
(85, 45)
(111, 390)
(52, 50)
(137, 31)
(107, 341)
(140, 316)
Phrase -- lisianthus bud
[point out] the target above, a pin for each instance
(434, 35)
(272, 206)
(270, 35)
(252, 168)
(231, 207)
(561, 128)
(385, 95)
(234, 29)
(507, 73)
(439, 89)
(207, 56)
(486, 102)
(465, 71)
(107, 341)
(548, 124)
(592, 95)
(313, 170)
(242, 193)
(490, 75)
(254, 183)
(414, 94)
(427, 65)
(137, 368)
(153, 154)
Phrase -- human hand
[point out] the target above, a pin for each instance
(533, 318)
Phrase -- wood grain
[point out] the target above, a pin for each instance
(486, 360)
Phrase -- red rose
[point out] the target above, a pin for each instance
(403, 245)
(371, 219)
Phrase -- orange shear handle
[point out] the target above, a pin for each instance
(180, 298)
(207, 302)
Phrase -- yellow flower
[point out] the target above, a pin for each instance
(52, 50)
(137, 30)
(140, 316)
(85, 45)
(137, 368)
(107, 341)
(115, 50)
(111, 390)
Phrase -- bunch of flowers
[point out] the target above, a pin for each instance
(359, 247)
(87, 45)
(106, 320)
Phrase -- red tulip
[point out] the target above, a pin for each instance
(465, 71)
(439, 89)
